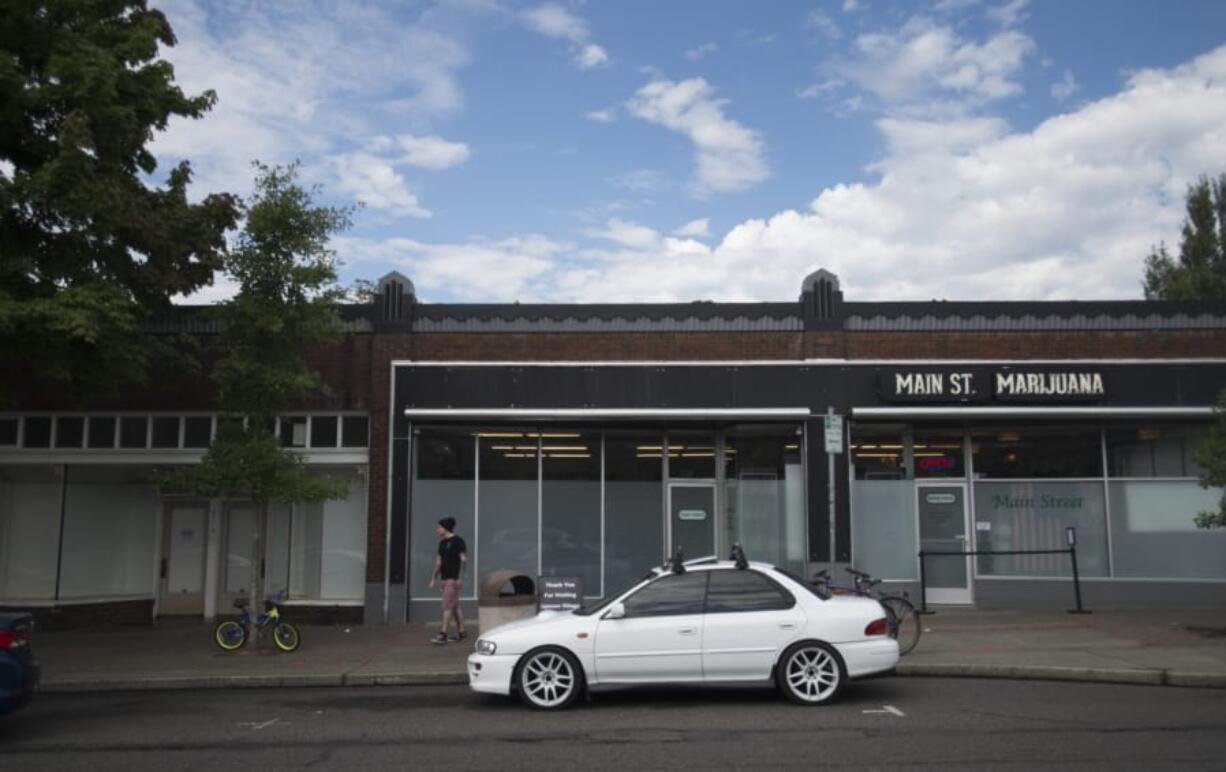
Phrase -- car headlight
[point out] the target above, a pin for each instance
(486, 647)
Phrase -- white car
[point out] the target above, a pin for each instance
(709, 623)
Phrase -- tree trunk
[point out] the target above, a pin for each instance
(256, 583)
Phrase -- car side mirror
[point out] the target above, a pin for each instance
(616, 611)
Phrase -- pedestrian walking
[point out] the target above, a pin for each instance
(449, 566)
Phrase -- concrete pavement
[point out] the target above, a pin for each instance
(1159, 646)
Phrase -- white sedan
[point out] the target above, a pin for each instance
(710, 623)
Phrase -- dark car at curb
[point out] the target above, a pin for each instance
(19, 670)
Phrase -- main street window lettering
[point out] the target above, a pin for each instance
(1048, 384)
(982, 385)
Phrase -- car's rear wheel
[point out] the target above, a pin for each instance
(549, 679)
(810, 673)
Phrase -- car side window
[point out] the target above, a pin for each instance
(745, 590)
(671, 595)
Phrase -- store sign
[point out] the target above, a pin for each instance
(979, 385)
(560, 593)
(692, 514)
(833, 427)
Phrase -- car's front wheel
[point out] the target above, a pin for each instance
(549, 679)
(810, 673)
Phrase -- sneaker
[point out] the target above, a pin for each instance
(461, 635)
(439, 639)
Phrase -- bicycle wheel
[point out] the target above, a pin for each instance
(904, 623)
(230, 635)
(285, 636)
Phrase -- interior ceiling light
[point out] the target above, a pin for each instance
(1008, 437)
(499, 434)
(697, 455)
(793, 446)
(876, 455)
(569, 455)
(570, 448)
(649, 447)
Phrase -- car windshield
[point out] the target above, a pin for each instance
(588, 610)
(810, 586)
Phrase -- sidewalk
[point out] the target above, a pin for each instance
(1163, 646)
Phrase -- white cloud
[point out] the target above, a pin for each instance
(930, 68)
(554, 21)
(1009, 14)
(698, 229)
(728, 156)
(432, 152)
(375, 182)
(608, 115)
(700, 52)
(1065, 87)
(639, 180)
(591, 55)
(822, 22)
(961, 209)
(850, 5)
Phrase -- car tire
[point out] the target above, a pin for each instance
(549, 678)
(810, 673)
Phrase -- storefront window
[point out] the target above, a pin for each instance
(938, 453)
(877, 452)
(883, 537)
(691, 456)
(110, 524)
(570, 507)
(764, 495)
(507, 489)
(1037, 452)
(443, 486)
(634, 506)
(328, 545)
(1153, 534)
(1033, 516)
(1154, 450)
(29, 530)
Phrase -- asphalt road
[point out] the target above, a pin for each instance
(898, 723)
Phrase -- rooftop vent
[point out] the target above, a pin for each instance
(820, 299)
(396, 297)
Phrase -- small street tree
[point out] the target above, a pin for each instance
(87, 248)
(1199, 274)
(285, 306)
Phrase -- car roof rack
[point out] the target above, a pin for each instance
(738, 556)
(678, 561)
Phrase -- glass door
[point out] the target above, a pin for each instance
(943, 528)
(691, 518)
(185, 535)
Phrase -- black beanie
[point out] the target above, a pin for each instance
(448, 524)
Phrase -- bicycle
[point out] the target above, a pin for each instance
(231, 634)
(901, 617)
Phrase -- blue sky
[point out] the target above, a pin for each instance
(649, 151)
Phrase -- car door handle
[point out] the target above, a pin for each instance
(787, 625)
(688, 631)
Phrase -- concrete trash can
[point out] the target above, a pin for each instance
(504, 597)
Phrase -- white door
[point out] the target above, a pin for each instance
(943, 527)
(183, 551)
(749, 620)
(660, 638)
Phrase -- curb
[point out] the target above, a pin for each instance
(1146, 677)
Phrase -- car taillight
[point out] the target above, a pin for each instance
(10, 639)
(877, 627)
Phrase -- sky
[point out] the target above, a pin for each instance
(647, 151)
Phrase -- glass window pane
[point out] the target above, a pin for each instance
(102, 431)
(570, 508)
(29, 531)
(165, 431)
(197, 431)
(672, 595)
(327, 544)
(883, 537)
(323, 431)
(355, 430)
(69, 431)
(8, 431)
(294, 431)
(1153, 534)
(732, 591)
(1033, 516)
(1154, 450)
(110, 522)
(443, 486)
(764, 495)
(938, 454)
(1037, 452)
(507, 491)
(634, 507)
(134, 432)
(691, 456)
(877, 452)
(38, 432)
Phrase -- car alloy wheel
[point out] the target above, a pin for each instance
(549, 679)
(811, 673)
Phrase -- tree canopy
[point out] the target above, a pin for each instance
(87, 247)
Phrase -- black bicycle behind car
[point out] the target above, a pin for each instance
(19, 670)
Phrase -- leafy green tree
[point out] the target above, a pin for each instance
(87, 248)
(1200, 274)
(286, 305)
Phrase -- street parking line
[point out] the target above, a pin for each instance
(893, 711)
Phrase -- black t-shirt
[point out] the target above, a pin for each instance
(450, 551)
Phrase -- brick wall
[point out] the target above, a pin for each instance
(608, 346)
(1087, 344)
